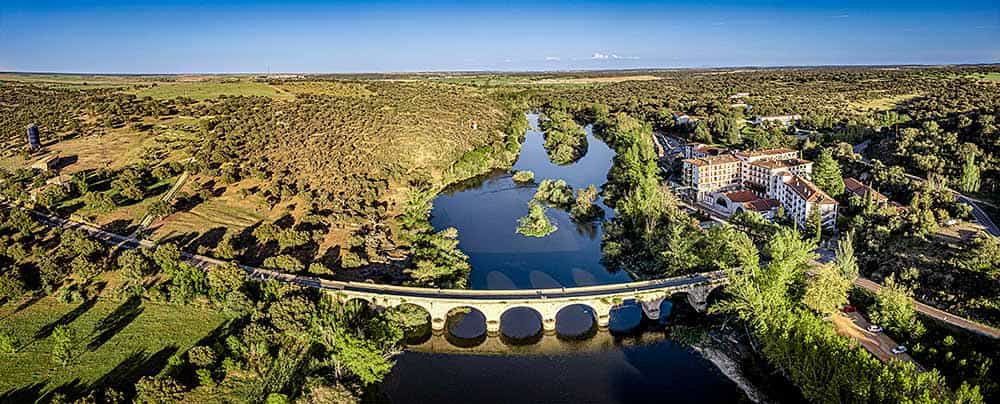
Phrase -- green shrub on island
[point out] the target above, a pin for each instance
(554, 192)
(524, 176)
(565, 140)
(583, 207)
(536, 223)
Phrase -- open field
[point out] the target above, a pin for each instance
(198, 90)
(991, 76)
(116, 343)
(331, 88)
(593, 80)
(881, 104)
(229, 211)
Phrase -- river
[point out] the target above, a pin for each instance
(632, 362)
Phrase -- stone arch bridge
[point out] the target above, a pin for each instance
(601, 299)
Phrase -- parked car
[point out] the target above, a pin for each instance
(898, 350)
(850, 309)
(874, 328)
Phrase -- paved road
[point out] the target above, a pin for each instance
(980, 215)
(938, 314)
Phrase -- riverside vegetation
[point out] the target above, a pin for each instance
(315, 212)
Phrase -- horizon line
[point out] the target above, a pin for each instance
(474, 71)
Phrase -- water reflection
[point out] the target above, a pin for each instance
(630, 362)
(640, 368)
(466, 327)
(520, 326)
(625, 318)
(576, 322)
(485, 212)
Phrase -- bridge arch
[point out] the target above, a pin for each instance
(417, 320)
(466, 326)
(576, 321)
(522, 325)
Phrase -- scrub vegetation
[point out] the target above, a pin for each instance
(333, 176)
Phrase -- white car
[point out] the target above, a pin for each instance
(874, 329)
(898, 350)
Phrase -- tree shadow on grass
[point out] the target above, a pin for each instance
(66, 319)
(26, 394)
(127, 373)
(209, 239)
(121, 226)
(116, 321)
(28, 303)
(122, 378)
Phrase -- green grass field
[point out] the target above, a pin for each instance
(116, 343)
(991, 76)
(207, 90)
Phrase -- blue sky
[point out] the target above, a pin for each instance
(187, 36)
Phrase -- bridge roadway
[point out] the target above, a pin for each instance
(439, 303)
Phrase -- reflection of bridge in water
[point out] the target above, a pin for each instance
(547, 344)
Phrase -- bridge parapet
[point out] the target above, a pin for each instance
(601, 299)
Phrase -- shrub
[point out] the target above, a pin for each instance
(523, 176)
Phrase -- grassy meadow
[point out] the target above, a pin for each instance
(116, 343)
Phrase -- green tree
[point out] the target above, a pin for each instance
(523, 176)
(583, 208)
(160, 208)
(167, 256)
(969, 181)
(826, 174)
(99, 201)
(63, 345)
(847, 263)
(8, 342)
(536, 223)
(361, 357)
(158, 390)
(224, 279)
(895, 310)
(437, 260)
(285, 263)
(702, 134)
(826, 291)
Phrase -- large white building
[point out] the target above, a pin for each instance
(759, 180)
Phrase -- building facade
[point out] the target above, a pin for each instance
(759, 180)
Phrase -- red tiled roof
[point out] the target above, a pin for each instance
(762, 205)
(710, 160)
(861, 190)
(741, 196)
(765, 152)
(772, 164)
(809, 191)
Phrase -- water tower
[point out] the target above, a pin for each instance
(34, 142)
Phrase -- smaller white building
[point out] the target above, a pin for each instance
(801, 198)
(783, 119)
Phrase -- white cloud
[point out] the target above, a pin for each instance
(842, 16)
(552, 58)
(606, 56)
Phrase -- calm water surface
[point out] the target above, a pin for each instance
(485, 212)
